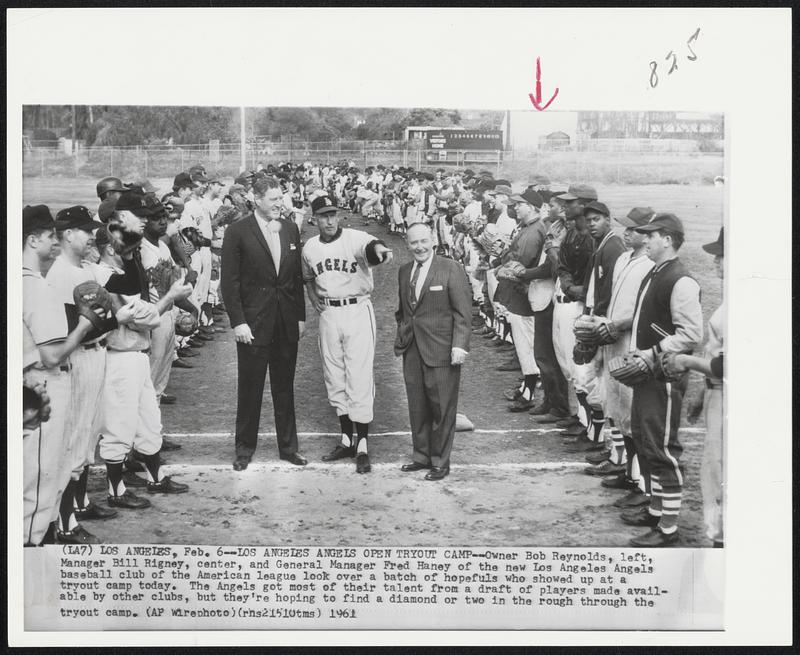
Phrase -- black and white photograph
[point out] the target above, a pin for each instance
(302, 366)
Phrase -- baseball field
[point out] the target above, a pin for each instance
(511, 484)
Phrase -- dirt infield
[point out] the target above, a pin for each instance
(511, 484)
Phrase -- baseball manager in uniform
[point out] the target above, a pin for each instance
(338, 277)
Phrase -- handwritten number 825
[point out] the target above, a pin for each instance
(671, 54)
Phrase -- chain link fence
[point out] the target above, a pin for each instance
(561, 166)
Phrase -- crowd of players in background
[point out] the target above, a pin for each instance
(557, 292)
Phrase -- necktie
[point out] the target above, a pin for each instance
(412, 292)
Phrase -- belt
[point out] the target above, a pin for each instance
(341, 302)
(146, 351)
(95, 345)
(711, 384)
(65, 368)
(562, 299)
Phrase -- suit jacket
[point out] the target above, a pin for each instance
(442, 319)
(252, 290)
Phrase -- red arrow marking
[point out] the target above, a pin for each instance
(537, 99)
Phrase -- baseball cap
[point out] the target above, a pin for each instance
(183, 180)
(198, 176)
(244, 178)
(716, 247)
(36, 217)
(322, 205)
(77, 218)
(668, 222)
(636, 217)
(106, 209)
(596, 207)
(529, 196)
(579, 192)
(136, 203)
(539, 179)
(110, 184)
(144, 184)
(503, 189)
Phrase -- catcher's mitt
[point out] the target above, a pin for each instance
(510, 271)
(630, 369)
(585, 329)
(185, 325)
(667, 368)
(92, 302)
(583, 353)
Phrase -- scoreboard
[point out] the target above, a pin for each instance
(445, 139)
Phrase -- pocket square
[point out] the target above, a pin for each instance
(437, 287)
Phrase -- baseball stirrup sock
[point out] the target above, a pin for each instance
(655, 497)
(598, 421)
(116, 487)
(587, 411)
(81, 500)
(362, 430)
(628, 456)
(347, 430)
(66, 514)
(670, 508)
(152, 464)
(529, 386)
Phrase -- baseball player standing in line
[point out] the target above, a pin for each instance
(45, 454)
(668, 302)
(338, 276)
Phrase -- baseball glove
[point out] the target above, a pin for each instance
(35, 405)
(510, 271)
(162, 275)
(92, 302)
(607, 332)
(630, 369)
(667, 368)
(585, 329)
(583, 353)
(185, 325)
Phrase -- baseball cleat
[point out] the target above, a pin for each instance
(606, 468)
(640, 516)
(128, 500)
(512, 394)
(520, 405)
(167, 445)
(76, 536)
(132, 480)
(340, 452)
(166, 486)
(94, 512)
(654, 539)
(362, 463)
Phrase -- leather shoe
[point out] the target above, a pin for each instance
(620, 482)
(574, 430)
(181, 363)
(640, 516)
(512, 394)
(128, 500)
(481, 331)
(654, 539)
(581, 445)
(186, 352)
(598, 457)
(362, 463)
(202, 336)
(520, 405)
(540, 410)
(567, 421)
(547, 418)
(295, 458)
(414, 466)
(132, 480)
(438, 473)
(340, 452)
(76, 536)
(168, 399)
(240, 464)
(166, 485)
(632, 499)
(196, 343)
(94, 512)
(606, 468)
(167, 445)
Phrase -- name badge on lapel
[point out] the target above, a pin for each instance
(437, 287)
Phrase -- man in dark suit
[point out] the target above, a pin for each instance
(262, 288)
(433, 331)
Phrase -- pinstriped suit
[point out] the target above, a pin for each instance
(426, 334)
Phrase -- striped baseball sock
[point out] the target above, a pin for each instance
(656, 496)
(347, 430)
(670, 508)
(81, 499)
(598, 421)
(618, 450)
